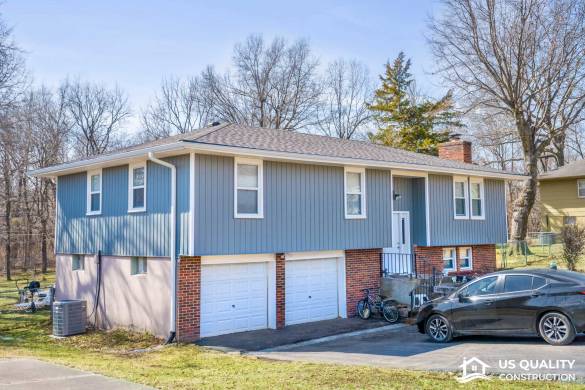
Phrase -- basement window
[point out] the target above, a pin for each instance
(465, 258)
(77, 263)
(137, 188)
(138, 266)
(449, 260)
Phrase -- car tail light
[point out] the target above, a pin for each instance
(581, 292)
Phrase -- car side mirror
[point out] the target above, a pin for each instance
(462, 297)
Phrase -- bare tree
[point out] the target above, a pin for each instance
(522, 57)
(180, 107)
(343, 111)
(97, 114)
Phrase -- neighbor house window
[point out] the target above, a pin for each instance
(465, 258)
(138, 265)
(248, 183)
(137, 187)
(460, 197)
(355, 192)
(94, 192)
(77, 262)
(581, 188)
(449, 260)
(569, 220)
(477, 196)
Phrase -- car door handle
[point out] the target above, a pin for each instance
(488, 302)
(536, 294)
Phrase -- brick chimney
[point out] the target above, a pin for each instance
(456, 149)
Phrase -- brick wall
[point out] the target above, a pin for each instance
(280, 290)
(188, 298)
(484, 258)
(362, 270)
(457, 150)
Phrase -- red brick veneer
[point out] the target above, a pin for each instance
(362, 270)
(457, 150)
(188, 298)
(484, 257)
(280, 290)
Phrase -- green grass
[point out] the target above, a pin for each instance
(192, 367)
(539, 256)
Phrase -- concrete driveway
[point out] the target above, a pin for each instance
(35, 374)
(406, 348)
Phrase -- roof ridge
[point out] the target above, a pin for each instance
(202, 133)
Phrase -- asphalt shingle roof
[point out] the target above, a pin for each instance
(574, 169)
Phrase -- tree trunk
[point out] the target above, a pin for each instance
(7, 217)
(44, 257)
(524, 203)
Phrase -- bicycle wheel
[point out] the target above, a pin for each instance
(364, 309)
(390, 312)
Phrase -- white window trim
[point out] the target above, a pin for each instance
(131, 187)
(89, 193)
(462, 250)
(81, 259)
(362, 172)
(138, 260)
(458, 179)
(578, 183)
(454, 251)
(482, 198)
(260, 164)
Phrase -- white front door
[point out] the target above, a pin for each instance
(311, 290)
(400, 233)
(234, 298)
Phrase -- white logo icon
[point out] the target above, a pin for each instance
(472, 369)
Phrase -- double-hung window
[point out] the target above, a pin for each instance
(355, 193)
(94, 192)
(465, 258)
(581, 188)
(138, 265)
(449, 261)
(477, 196)
(77, 262)
(137, 188)
(248, 186)
(460, 197)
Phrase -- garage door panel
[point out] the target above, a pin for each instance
(234, 298)
(311, 290)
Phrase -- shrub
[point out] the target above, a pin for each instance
(573, 237)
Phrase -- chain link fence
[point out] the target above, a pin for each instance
(540, 249)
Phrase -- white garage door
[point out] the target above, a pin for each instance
(311, 290)
(234, 298)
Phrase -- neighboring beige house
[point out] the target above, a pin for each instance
(562, 196)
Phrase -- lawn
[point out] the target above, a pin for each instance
(188, 367)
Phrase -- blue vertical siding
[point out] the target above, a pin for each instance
(115, 231)
(412, 199)
(303, 210)
(446, 230)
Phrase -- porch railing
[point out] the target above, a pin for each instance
(397, 264)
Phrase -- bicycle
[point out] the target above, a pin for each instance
(380, 304)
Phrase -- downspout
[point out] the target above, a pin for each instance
(173, 330)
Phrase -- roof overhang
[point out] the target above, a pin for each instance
(175, 148)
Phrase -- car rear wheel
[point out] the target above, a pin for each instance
(438, 329)
(556, 329)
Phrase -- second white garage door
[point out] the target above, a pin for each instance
(234, 298)
(311, 290)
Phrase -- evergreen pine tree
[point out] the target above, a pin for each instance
(402, 121)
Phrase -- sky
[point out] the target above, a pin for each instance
(135, 44)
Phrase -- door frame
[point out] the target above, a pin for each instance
(341, 276)
(393, 249)
(269, 259)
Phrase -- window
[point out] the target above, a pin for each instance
(449, 260)
(137, 187)
(77, 262)
(483, 286)
(465, 258)
(460, 195)
(355, 193)
(514, 283)
(538, 282)
(248, 182)
(569, 220)
(581, 188)
(477, 203)
(138, 265)
(94, 192)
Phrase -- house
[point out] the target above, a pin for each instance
(562, 196)
(232, 228)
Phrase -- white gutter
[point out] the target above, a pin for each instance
(173, 169)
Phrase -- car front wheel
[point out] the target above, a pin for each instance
(439, 329)
(556, 329)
